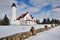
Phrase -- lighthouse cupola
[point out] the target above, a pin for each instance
(13, 5)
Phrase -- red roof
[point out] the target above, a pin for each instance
(22, 16)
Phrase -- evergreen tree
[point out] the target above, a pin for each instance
(56, 21)
(44, 21)
(5, 20)
(38, 21)
(52, 21)
(0, 21)
(48, 21)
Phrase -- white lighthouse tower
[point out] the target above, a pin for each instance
(13, 18)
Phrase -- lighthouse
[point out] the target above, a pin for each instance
(13, 17)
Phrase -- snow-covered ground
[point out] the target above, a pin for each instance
(53, 34)
(13, 29)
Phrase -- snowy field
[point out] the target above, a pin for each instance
(12, 29)
(53, 34)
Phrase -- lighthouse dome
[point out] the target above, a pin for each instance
(13, 5)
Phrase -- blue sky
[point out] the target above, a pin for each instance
(43, 8)
(25, 1)
(38, 8)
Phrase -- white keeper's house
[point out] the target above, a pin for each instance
(23, 19)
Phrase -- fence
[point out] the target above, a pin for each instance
(25, 35)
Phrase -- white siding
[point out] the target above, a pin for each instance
(17, 22)
(27, 17)
(24, 22)
(13, 18)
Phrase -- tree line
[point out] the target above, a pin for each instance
(4, 21)
(48, 21)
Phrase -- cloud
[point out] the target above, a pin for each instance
(5, 7)
(23, 8)
(54, 13)
(39, 3)
(42, 8)
(50, 8)
(42, 15)
(54, 3)
(42, 3)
